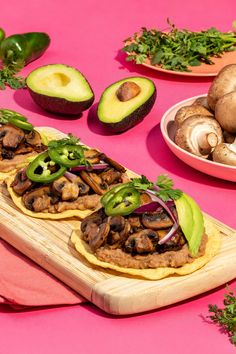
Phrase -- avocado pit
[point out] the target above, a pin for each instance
(127, 91)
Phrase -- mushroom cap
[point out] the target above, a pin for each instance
(225, 153)
(225, 112)
(202, 101)
(223, 83)
(199, 135)
(188, 111)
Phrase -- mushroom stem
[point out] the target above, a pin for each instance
(207, 142)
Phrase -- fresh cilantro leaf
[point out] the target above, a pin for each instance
(8, 78)
(69, 140)
(164, 182)
(142, 183)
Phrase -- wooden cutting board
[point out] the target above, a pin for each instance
(47, 242)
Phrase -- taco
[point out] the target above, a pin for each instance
(148, 238)
(65, 181)
(19, 141)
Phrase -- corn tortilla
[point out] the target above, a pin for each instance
(63, 215)
(212, 247)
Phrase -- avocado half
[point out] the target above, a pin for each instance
(126, 102)
(59, 88)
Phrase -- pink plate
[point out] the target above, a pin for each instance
(211, 168)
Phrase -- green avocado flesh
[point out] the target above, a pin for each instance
(191, 222)
(121, 115)
(60, 88)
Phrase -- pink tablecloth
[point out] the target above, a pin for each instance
(88, 35)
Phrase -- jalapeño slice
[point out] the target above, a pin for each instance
(43, 170)
(108, 195)
(123, 202)
(67, 155)
(22, 124)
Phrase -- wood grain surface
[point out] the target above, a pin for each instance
(47, 242)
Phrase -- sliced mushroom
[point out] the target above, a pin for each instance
(7, 154)
(95, 182)
(96, 217)
(21, 183)
(188, 111)
(225, 153)
(33, 138)
(23, 149)
(38, 199)
(110, 176)
(145, 198)
(113, 163)
(119, 230)
(199, 135)
(66, 189)
(141, 242)
(92, 155)
(98, 236)
(175, 244)
(135, 223)
(83, 202)
(156, 220)
(12, 136)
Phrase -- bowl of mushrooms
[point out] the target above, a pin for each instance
(201, 130)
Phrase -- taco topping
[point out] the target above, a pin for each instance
(132, 231)
(48, 184)
(18, 140)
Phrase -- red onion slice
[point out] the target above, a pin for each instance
(70, 176)
(99, 166)
(154, 206)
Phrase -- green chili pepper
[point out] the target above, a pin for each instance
(8, 113)
(2, 35)
(123, 202)
(21, 124)
(108, 195)
(43, 170)
(67, 155)
(18, 50)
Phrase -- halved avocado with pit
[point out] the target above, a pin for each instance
(59, 88)
(126, 102)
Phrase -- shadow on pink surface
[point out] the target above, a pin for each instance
(23, 99)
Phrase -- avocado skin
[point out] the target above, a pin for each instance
(134, 118)
(60, 105)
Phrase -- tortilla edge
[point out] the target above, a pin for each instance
(212, 248)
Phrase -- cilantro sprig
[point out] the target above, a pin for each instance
(69, 140)
(177, 49)
(163, 187)
(226, 317)
(9, 78)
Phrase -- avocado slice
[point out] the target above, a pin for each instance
(59, 88)
(126, 102)
(191, 221)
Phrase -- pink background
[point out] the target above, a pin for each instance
(88, 35)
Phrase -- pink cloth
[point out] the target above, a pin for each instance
(23, 283)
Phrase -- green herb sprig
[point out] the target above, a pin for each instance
(165, 185)
(9, 78)
(177, 49)
(226, 317)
